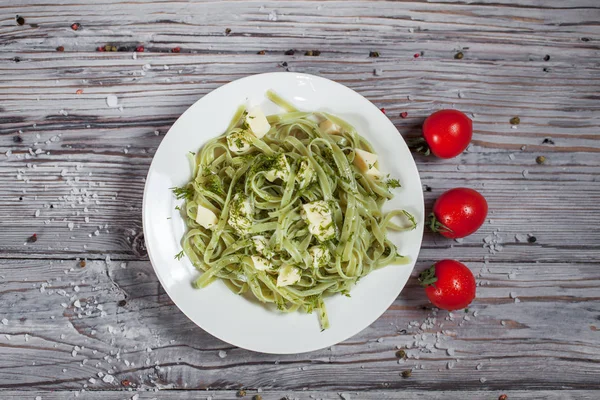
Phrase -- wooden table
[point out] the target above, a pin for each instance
(75, 165)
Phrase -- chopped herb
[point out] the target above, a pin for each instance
(241, 393)
(313, 53)
(183, 193)
(515, 121)
(192, 153)
(178, 208)
(227, 31)
(393, 183)
(179, 255)
(466, 310)
(373, 54)
(257, 397)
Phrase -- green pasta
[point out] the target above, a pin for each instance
(290, 217)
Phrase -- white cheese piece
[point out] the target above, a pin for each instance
(260, 263)
(257, 122)
(205, 217)
(241, 214)
(261, 245)
(320, 223)
(238, 142)
(320, 256)
(280, 169)
(288, 275)
(329, 127)
(306, 174)
(365, 162)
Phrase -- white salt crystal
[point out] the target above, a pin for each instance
(222, 353)
(108, 378)
(112, 101)
(4, 321)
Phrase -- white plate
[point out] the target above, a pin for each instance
(216, 309)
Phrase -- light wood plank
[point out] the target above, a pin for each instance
(548, 340)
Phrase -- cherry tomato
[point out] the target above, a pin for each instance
(447, 133)
(458, 213)
(449, 285)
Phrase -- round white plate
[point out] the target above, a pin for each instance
(216, 309)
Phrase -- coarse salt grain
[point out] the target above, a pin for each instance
(222, 353)
(112, 101)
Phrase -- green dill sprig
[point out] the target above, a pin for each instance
(179, 255)
(185, 192)
(393, 183)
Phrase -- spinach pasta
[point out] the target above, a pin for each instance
(288, 208)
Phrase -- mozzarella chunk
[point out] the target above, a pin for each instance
(320, 256)
(261, 245)
(306, 175)
(205, 217)
(320, 223)
(238, 142)
(329, 127)
(257, 122)
(260, 263)
(288, 275)
(365, 162)
(280, 169)
(241, 214)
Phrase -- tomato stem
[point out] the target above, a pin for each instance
(428, 277)
(418, 145)
(437, 226)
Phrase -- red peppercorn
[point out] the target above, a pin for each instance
(176, 49)
(382, 110)
(416, 55)
(503, 397)
(404, 114)
(100, 48)
(75, 26)
(139, 49)
(60, 48)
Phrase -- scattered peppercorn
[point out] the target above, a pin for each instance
(382, 110)
(257, 397)
(100, 48)
(427, 188)
(416, 55)
(545, 69)
(20, 20)
(21, 198)
(17, 139)
(17, 59)
(459, 55)
(466, 310)
(75, 26)
(401, 354)
(313, 53)
(373, 54)
(51, 205)
(227, 31)
(290, 52)
(503, 397)
(547, 57)
(548, 141)
(261, 53)
(125, 382)
(540, 159)
(531, 239)
(122, 303)
(32, 238)
(403, 114)
(515, 121)
(139, 49)
(176, 49)
(407, 373)
(82, 264)
(241, 393)
(60, 48)
(284, 64)
(584, 39)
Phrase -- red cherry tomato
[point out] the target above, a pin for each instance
(447, 132)
(449, 285)
(458, 213)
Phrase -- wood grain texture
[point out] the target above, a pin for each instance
(77, 177)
